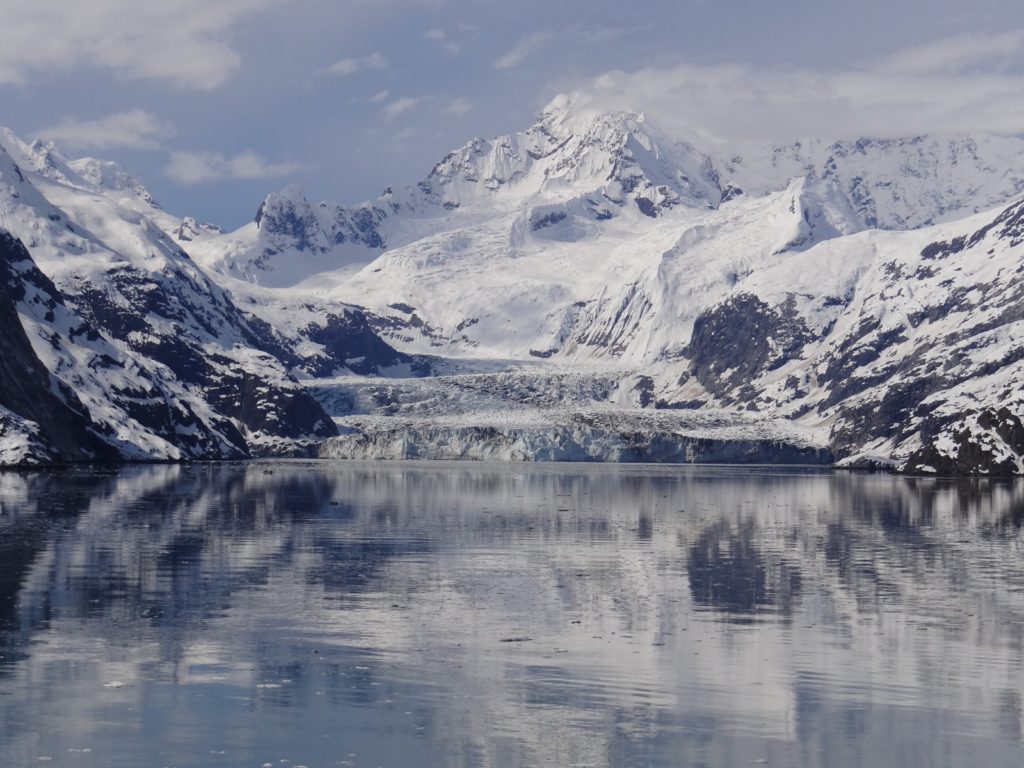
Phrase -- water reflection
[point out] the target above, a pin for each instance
(345, 614)
(727, 571)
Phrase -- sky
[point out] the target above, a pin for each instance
(215, 103)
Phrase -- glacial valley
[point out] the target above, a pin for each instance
(594, 288)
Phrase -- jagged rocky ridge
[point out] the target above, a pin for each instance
(578, 167)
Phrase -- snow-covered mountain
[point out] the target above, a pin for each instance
(577, 169)
(908, 345)
(132, 348)
(599, 240)
(592, 163)
(852, 301)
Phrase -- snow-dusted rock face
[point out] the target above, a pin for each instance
(570, 151)
(111, 177)
(286, 220)
(578, 166)
(290, 239)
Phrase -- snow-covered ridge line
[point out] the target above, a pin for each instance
(589, 166)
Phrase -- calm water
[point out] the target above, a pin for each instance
(326, 614)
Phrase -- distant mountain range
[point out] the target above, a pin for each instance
(857, 302)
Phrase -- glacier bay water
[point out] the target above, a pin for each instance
(336, 614)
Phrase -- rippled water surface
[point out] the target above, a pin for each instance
(334, 614)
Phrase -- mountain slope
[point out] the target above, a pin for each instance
(165, 364)
(901, 183)
(41, 420)
(556, 241)
(593, 163)
(910, 345)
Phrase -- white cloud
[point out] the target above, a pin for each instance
(600, 35)
(459, 107)
(186, 42)
(957, 54)
(346, 67)
(442, 38)
(134, 129)
(959, 84)
(524, 48)
(379, 96)
(206, 167)
(399, 106)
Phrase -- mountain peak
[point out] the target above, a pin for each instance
(110, 177)
(288, 215)
(42, 157)
(576, 148)
(47, 159)
(572, 113)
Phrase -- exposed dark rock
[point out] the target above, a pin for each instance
(731, 192)
(547, 220)
(971, 455)
(844, 371)
(647, 208)
(1008, 225)
(204, 403)
(273, 409)
(351, 343)
(738, 340)
(643, 387)
(286, 220)
(890, 416)
(679, 405)
(196, 311)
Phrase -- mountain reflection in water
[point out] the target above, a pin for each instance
(461, 615)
